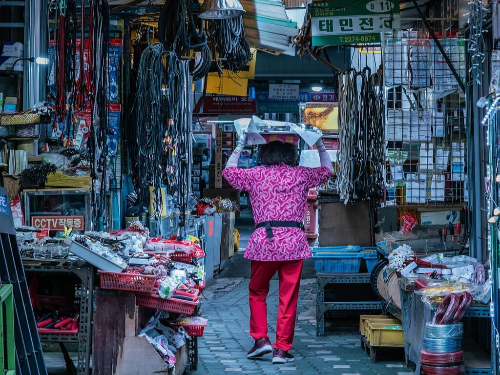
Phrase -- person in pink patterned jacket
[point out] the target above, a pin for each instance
(278, 194)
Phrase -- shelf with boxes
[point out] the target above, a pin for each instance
(425, 121)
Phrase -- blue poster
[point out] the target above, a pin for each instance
(4, 205)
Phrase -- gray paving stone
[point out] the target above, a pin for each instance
(224, 346)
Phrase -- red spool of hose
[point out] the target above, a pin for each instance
(441, 359)
(442, 370)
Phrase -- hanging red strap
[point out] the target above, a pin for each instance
(81, 85)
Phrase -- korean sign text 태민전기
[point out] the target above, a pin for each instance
(339, 22)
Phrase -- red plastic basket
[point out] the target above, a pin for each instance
(187, 257)
(193, 330)
(127, 281)
(172, 305)
(181, 257)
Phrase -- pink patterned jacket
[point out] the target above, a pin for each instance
(277, 193)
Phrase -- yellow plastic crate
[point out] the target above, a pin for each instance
(378, 334)
(364, 318)
(388, 321)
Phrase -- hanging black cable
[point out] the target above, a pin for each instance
(100, 19)
(361, 137)
(228, 37)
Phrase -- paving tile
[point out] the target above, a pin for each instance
(226, 341)
(341, 366)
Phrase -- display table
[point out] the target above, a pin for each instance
(415, 314)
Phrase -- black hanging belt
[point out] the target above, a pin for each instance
(278, 224)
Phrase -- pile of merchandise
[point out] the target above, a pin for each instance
(165, 339)
(165, 274)
(438, 276)
(207, 206)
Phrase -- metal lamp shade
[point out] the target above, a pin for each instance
(221, 9)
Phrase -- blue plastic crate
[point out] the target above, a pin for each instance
(371, 259)
(336, 249)
(337, 263)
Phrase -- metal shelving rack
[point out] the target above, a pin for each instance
(84, 338)
(322, 306)
(425, 119)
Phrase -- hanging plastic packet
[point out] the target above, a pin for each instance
(409, 222)
(168, 286)
(114, 59)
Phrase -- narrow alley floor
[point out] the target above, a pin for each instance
(222, 349)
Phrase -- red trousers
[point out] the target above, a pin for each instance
(289, 283)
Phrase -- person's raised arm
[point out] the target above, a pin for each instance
(237, 177)
(323, 155)
(235, 156)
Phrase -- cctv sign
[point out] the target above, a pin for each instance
(58, 222)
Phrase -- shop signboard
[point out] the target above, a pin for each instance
(324, 116)
(284, 92)
(278, 107)
(58, 222)
(344, 22)
(227, 105)
(267, 105)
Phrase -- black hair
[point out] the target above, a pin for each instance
(275, 153)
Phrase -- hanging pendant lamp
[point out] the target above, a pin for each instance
(221, 9)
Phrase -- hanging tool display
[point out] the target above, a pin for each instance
(361, 136)
(79, 82)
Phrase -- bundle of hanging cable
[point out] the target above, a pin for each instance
(181, 30)
(162, 113)
(100, 19)
(227, 37)
(361, 137)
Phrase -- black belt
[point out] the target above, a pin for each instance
(278, 224)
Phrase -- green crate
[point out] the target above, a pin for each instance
(7, 344)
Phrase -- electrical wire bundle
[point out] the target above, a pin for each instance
(361, 137)
(442, 349)
(181, 30)
(163, 111)
(227, 37)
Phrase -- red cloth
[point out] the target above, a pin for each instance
(289, 283)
